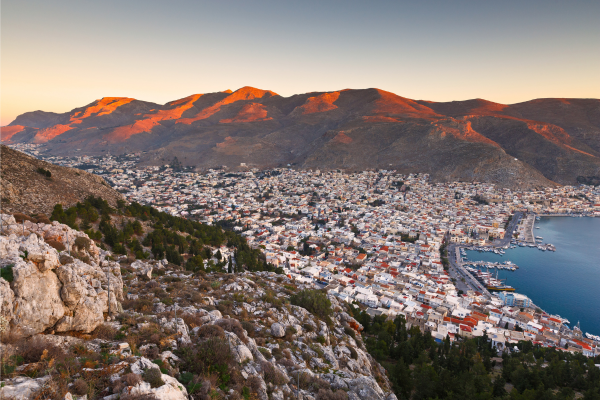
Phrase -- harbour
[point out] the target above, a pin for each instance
(564, 280)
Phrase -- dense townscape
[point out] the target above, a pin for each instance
(373, 237)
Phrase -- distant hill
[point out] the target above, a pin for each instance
(528, 144)
(33, 186)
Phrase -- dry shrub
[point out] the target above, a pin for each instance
(211, 331)
(211, 352)
(286, 363)
(80, 387)
(131, 379)
(254, 383)
(58, 246)
(33, 349)
(140, 305)
(249, 327)
(225, 306)
(327, 394)
(287, 353)
(104, 331)
(192, 320)
(233, 325)
(312, 383)
(197, 297)
(82, 243)
(152, 353)
(81, 256)
(272, 374)
(289, 333)
(152, 285)
(20, 217)
(42, 219)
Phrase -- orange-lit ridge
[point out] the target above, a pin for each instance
(149, 121)
(249, 113)
(104, 106)
(321, 103)
(7, 132)
(245, 93)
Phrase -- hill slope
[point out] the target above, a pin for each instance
(26, 186)
(551, 139)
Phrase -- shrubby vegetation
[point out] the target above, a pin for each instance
(129, 228)
(420, 368)
(315, 301)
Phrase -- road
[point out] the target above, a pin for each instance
(458, 272)
(510, 229)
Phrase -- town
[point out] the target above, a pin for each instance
(389, 241)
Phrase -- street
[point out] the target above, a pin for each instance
(458, 272)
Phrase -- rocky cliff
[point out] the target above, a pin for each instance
(36, 186)
(45, 290)
(174, 334)
(526, 144)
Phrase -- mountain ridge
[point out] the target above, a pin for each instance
(535, 143)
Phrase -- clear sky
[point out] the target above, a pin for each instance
(58, 55)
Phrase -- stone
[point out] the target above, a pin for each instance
(277, 330)
(22, 388)
(366, 388)
(141, 365)
(37, 303)
(242, 353)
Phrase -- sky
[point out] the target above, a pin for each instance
(59, 55)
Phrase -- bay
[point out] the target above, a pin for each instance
(565, 282)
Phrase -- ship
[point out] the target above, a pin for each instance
(492, 283)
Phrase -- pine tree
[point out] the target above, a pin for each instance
(230, 267)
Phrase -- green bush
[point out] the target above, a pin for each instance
(315, 301)
(154, 377)
(44, 172)
(7, 273)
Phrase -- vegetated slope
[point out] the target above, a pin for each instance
(526, 144)
(35, 186)
(173, 332)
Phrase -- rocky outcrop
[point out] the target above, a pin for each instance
(51, 290)
(22, 388)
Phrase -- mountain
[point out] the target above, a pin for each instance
(535, 143)
(36, 186)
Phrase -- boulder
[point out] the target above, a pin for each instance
(366, 388)
(37, 303)
(277, 330)
(22, 388)
(242, 353)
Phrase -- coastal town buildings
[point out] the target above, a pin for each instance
(373, 237)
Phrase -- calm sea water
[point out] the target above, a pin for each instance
(565, 282)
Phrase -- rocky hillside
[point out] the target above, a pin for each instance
(525, 144)
(36, 186)
(172, 334)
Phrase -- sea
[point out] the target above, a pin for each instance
(565, 282)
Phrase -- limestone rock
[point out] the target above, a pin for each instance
(7, 298)
(37, 304)
(277, 330)
(22, 388)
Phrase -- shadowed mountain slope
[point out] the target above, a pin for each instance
(526, 144)
(35, 186)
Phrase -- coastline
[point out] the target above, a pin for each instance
(547, 277)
